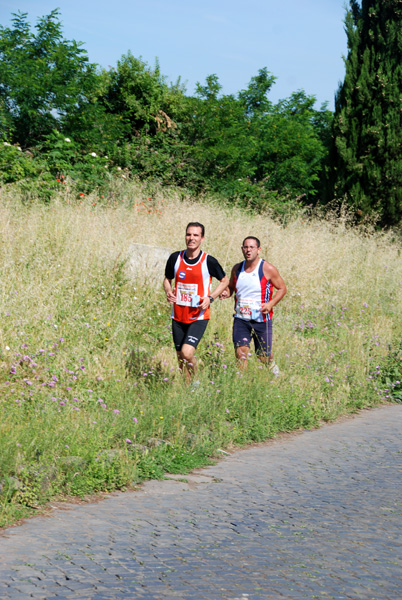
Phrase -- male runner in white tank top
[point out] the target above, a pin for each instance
(253, 281)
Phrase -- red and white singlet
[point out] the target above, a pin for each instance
(192, 283)
(251, 291)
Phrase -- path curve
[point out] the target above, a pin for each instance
(310, 515)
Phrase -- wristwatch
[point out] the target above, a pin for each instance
(210, 299)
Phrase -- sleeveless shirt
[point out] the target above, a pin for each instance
(192, 283)
(251, 291)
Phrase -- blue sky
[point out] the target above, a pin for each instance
(301, 42)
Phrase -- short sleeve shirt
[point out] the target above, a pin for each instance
(214, 267)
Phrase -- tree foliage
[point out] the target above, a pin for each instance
(291, 145)
(42, 77)
(87, 123)
(217, 132)
(140, 96)
(367, 152)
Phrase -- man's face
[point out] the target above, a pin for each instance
(250, 250)
(194, 238)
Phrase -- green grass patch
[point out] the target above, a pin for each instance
(91, 399)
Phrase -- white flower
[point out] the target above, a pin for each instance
(67, 140)
(6, 144)
(119, 168)
(93, 153)
(7, 348)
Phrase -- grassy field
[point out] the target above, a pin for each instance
(90, 395)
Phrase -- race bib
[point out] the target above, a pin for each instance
(247, 309)
(187, 294)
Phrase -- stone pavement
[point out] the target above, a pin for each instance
(309, 515)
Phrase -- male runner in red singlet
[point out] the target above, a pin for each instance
(192, 269)
(253, 281)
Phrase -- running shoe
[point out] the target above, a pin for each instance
(273, 367)
(195, 386)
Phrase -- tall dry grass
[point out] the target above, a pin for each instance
(56, 258)
(86, 352)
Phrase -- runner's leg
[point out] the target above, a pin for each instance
(188, 361)
(241, 341)
(186, 354)
(262, 336)
(179, 331)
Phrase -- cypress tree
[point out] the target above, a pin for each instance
(368, 112)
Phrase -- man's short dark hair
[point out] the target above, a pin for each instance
(251, 237)
(196, 224)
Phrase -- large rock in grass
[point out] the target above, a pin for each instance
(146, 264)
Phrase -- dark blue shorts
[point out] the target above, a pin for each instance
(261, 333)
(188, 333)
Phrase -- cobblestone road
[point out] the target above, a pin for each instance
(310, 515)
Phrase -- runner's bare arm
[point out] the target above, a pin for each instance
(223, 284)
(167, 286)
(230, 289)
(272, 274)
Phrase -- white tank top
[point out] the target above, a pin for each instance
(252, 290)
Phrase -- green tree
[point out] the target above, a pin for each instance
(90, 123)
(42, 78)
(249, 148)
(367, 153)
(217, 132)
(292, 145)
(255, 97)
(140, 96)
(147, 111)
